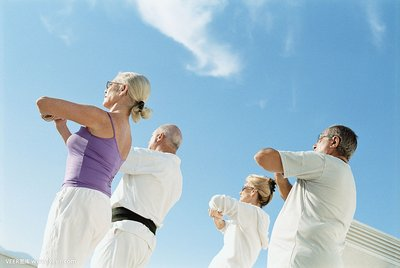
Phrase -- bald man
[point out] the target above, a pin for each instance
(150, 186)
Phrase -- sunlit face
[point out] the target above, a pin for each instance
(247, 192)
(110, 93)
(323, 143)
(154, 140)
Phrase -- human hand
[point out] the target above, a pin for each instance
(60, 122)
(213, 213)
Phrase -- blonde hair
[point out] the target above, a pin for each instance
(138, 91)
(265, 187)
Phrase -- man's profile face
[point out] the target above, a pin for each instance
(154, 140)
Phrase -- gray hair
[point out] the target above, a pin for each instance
(348, 140)
(173, 135)
(138, 91)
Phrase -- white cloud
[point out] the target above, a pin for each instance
(288, 46)
(187, 23)
(377, 27)
(55, 28)
(255, 7)
(55, 24)
(261, 103)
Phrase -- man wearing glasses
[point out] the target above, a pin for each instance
(311, 228)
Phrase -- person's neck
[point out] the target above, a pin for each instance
(165, 149)
(341, 157)
(119, 108)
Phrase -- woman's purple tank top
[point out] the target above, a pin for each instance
(92, 162)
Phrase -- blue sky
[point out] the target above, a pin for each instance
(236, 76)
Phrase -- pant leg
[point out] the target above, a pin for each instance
(121, 249)
(77, 221)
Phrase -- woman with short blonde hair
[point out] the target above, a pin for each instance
(246, 230)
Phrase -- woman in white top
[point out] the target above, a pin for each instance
(246, 231)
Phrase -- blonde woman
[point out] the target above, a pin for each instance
(246, 231)
(80, 214)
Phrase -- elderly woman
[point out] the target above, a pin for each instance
(80, 214)
(246, 233)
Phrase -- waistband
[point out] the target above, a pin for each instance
(121, 213)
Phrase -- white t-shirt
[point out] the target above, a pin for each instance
(244, 234)
(151, 185)
(311, 228)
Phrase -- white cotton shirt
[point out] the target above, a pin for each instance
(245, 234)
(151, 185)
(311, 228)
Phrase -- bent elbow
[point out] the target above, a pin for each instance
(269, 159)
(261, 156)
(40, 101)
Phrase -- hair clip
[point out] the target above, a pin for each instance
(272, 185)
(140, 105)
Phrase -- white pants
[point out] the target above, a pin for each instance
(121, 248)
(77, 221)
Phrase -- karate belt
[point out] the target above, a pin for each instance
(121, 213)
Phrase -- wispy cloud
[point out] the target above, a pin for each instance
(188, 22)
(60, 31)
(260, 103)
(288, 44)
(293, 107)
(377, 27)
(56, 24)
(255, 7)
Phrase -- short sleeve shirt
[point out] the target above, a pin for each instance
(310, 229)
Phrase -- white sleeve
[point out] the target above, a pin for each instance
(225, 204)
(131, 162)
(303, 165)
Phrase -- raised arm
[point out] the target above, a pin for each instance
(284, 185)
(269, 159)
(62, 128)
(85, 115)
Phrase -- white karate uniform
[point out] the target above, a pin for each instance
(151, 185)
(78, 219)
(311, 228)
(245, 234)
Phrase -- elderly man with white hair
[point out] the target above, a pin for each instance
(151, 185)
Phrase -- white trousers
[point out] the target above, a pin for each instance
(78, 219)
(120, 248)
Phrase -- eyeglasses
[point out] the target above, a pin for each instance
(321, 136)
(247, 188)
(110, 83)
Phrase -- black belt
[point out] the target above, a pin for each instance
(121, 213)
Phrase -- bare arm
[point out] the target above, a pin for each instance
(217, 217)
(284, 185)
(85, 115)
(269, 159)
(61, 125)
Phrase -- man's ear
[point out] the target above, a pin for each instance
(160, 137)
(335, 142)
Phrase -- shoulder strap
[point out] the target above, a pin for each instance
(112, 123)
